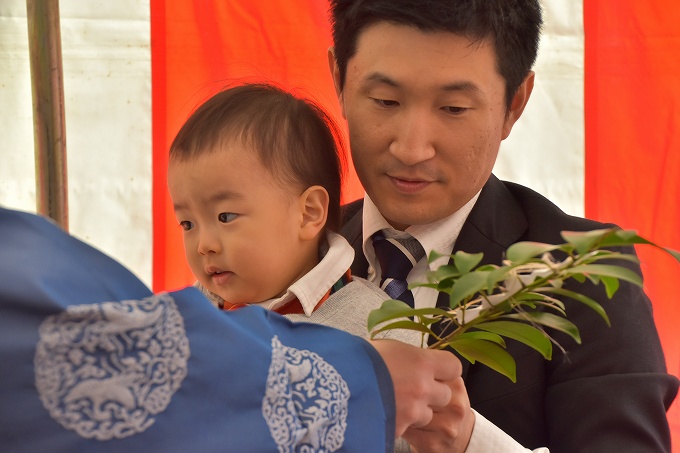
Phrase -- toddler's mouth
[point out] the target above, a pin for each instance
(212, 270)
(220, 277)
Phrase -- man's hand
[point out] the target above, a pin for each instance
(423, 382)
(451, 426)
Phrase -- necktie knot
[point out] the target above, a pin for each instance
(396, 256)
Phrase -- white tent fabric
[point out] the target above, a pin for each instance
(107, 89)
(107, 85)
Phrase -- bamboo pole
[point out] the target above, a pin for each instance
(44, 39)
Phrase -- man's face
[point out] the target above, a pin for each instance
(426, 114)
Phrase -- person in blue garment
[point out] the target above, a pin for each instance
(92, 360)
(430, 89)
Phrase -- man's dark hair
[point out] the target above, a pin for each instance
(294, 138)
(513, 26)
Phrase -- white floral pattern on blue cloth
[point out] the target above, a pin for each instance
(306, 401)
(114, 394)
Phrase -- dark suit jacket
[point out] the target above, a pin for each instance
(609, 394)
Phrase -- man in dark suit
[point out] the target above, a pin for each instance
(429, 89)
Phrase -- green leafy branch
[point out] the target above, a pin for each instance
(517, 300)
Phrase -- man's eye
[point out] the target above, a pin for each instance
(186, 225)
(454, 110)
(385, 102)
(226, 217)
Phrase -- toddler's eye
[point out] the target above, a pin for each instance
(226, 217)
(186, 225)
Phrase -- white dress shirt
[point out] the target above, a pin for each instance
(314, 285)
(439, 236)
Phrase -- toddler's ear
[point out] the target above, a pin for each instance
(314, 209)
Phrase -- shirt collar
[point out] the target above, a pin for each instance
(439, 236)
(311, 287)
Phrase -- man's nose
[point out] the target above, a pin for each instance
(414, 139)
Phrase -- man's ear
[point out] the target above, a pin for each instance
(335, 73)
(519, 101)
(313, 205)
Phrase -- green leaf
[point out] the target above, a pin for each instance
(390, 309)
(521, 252)
(479, 335)
(552, 304)
(406, 324)
(466, 286)
(584, 241)
(616, 237)
(550, 320)
(486, 267)
(581, 298)
(674, 253)
(606, 270)
(444, 272)
(497, 275)
(465, 262)
(594, 278)
(579, 278)
(438, 286)
(619, 237)
(524, 333)
(611, 285)
(488, 353)
(599, 255)
(626, 235)
(434, 255)
(394, 309)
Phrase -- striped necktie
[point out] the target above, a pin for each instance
(397, 257)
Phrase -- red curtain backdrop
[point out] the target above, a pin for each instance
(632, 115)
(632, 111)
(199, 47)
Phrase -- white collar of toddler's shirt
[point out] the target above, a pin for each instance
(314, 285)
(439, 236)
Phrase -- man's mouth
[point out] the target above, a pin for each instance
(409, 185)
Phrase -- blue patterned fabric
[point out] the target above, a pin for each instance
(93, 361)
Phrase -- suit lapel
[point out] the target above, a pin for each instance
(496, 222)
(352, 231)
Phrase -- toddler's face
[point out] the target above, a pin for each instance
(240, 225)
